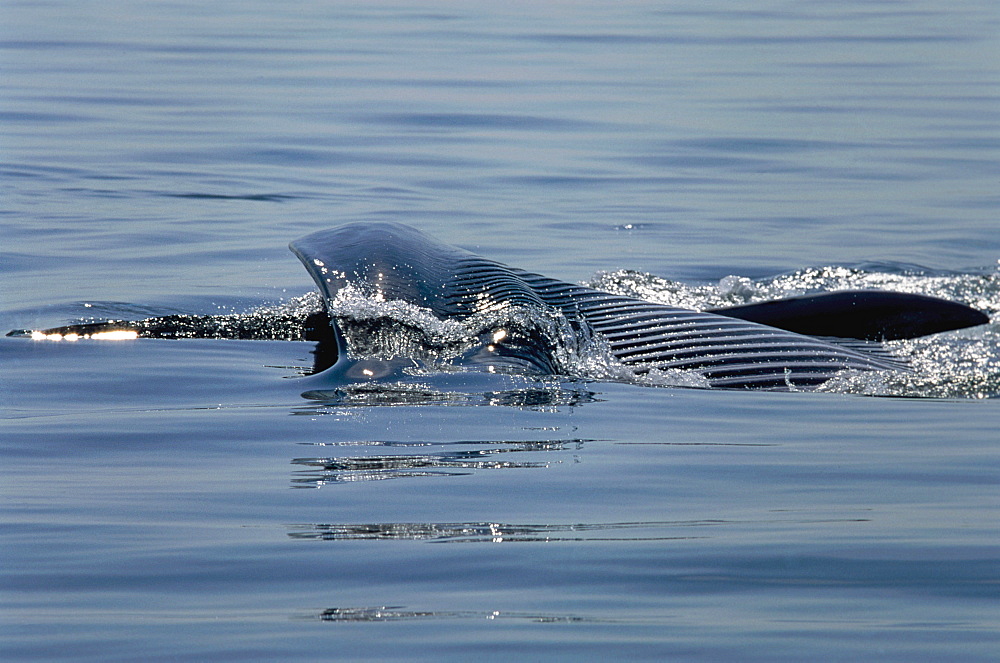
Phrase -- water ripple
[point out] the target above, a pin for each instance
(486, 532)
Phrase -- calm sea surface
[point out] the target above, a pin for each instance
(197, 500)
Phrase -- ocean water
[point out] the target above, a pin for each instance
(200, 499)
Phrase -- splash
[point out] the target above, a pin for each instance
(963, 364)
(980, 290)
(513, 339)
(959, 364)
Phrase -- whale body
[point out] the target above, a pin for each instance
(755, 346)
(510, 313)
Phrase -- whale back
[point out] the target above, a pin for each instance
(389, 261)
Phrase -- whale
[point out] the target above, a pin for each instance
(794, 343)
(519, 317)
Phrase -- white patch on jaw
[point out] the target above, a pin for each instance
(117, 335)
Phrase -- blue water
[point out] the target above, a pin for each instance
(184, 500)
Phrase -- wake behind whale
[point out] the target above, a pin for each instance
(392, 296)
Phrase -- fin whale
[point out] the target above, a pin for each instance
(797, 342)
(775, 345)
